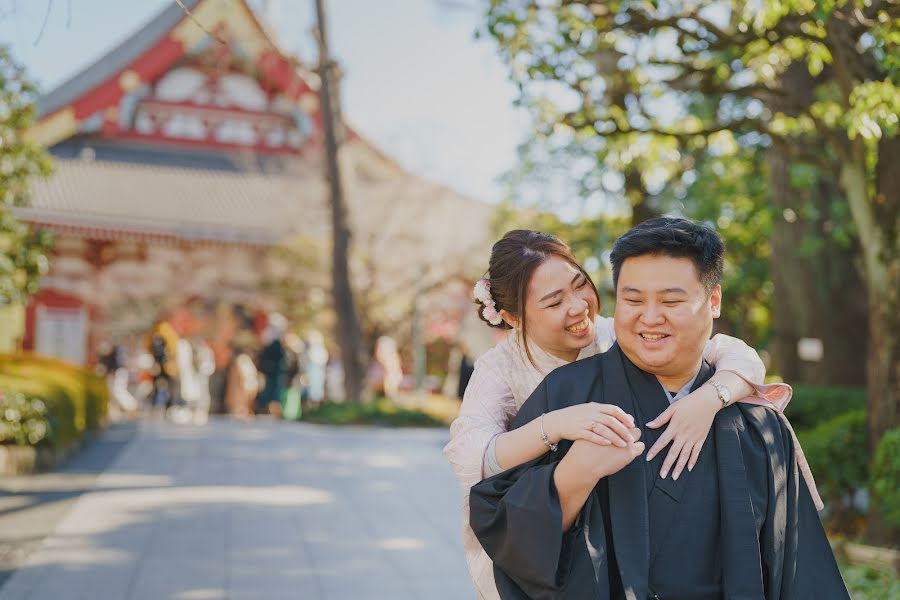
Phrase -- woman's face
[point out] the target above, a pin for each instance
(560, 307)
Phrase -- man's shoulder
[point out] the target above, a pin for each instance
(567, 385)
(575, 373)
(760, 416)
(764, 425)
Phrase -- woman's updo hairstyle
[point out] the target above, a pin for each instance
(514, 259)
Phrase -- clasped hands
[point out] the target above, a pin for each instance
(615, 438)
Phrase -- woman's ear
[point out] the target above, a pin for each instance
(510, 319)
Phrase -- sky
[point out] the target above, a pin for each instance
(417, 83)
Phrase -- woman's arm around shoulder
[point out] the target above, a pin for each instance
(740, 373)
(732, 355)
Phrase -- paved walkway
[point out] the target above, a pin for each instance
(265, 510)
(31, 506)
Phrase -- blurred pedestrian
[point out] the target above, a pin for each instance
(243, 379)
(391, 371)
(116, 373)
(316, 361)
(204, 367)
(293, 376)
(162, 347)
(188, 385)
(272, 364)
(334, 380)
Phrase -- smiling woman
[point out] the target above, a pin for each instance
(536, 289)
(537, 285)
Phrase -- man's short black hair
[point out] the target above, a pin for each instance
(675, 237)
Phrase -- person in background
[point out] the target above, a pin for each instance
(272, 363)
(389, 368)
(161, 345)
(204, 367)
(316, 362)
(294, 376)
(243, 379)
(115, 371)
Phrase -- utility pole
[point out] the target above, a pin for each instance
(348, 329)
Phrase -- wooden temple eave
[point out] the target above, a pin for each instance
(116, 232)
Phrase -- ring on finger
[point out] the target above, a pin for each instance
(593, 426)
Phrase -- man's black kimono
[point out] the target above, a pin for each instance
(741, 525)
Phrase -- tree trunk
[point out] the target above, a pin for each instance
(882, 272)
(348, 328)
(818, 290)
(640, 201)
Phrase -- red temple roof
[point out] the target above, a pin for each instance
(222, 35)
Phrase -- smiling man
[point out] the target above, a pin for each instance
(591, 521)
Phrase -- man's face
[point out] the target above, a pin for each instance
(664, 315)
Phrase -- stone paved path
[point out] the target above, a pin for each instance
(262, 510)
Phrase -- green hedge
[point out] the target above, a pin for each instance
(886, 477)
(871, 582)
(812, 404)
(377, 412)
(23, 420)
(838, 456)
(76, 399)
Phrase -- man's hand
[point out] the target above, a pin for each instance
(583, 466)
(597, 461)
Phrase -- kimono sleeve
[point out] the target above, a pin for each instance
(815, 573)
(798, 561)
(517, 517)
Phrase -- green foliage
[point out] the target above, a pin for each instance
(838, 456)
(871, 582)
(377, 412)
(22, 251)
(23, 420)
(631, 98)
(886, 477)
(76, 399)
(731, 192)
(625, 79)
(813, 404)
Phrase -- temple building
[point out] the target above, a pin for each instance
(188, 178)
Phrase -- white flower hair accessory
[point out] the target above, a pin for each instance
(482, 293)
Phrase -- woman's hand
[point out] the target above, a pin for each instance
(602, 424)
(689, 422)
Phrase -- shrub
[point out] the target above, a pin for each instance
(812, 404)
(886, 477)
(378, 412)
(871, 582)
(76, 399)
(837, 454)
(23, 420)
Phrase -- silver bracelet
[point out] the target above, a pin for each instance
(545, 438)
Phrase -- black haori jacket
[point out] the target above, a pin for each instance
(740, 526)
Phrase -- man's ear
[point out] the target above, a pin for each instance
(510, 318)
(715, 302)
